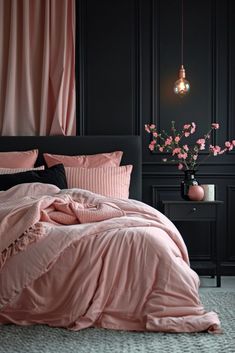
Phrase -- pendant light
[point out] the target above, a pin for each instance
(181, 86)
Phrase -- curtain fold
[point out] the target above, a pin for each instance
(37, 67)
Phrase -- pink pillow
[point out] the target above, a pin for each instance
(110, 181)
(19, 170)
(21, 159)
(111, 159)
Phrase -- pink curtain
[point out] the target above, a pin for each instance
(37, 67)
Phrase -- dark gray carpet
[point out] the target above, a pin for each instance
(42, 339)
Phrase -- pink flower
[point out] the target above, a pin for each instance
(186, 134)
(201, 141)
(229, 145)
(195, 157)
(177, 138)
(155, 134)
(185, 147)
(187, 126)
(233, 142)
(215, 150)
(153, 142)
(152, 126)
(180, 166)
(182, 155)
(176, 151)
(168, 141)
(215, 126)
(193, 129)
(161, 149)
(151, 147)
(147, 128)
(164, 160)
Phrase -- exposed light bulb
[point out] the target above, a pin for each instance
(181, 86)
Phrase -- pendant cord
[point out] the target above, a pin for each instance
(182, 32)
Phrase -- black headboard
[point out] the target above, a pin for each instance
(75, 145)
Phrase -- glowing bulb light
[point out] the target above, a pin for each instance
(181, 86)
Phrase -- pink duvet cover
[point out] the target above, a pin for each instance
(75, 259)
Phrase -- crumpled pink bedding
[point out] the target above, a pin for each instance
(76, 259)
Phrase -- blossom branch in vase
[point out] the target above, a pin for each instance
(175, 143)
(185, 155)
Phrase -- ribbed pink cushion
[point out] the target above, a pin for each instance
(111, 159)
(18, 170)
(18, 159)
(109, 181)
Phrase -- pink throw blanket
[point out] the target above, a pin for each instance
(76, 259)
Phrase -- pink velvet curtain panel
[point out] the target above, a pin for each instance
(37, 67)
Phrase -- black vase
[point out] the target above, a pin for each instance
(189, 179)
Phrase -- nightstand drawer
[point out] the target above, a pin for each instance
(191, 211)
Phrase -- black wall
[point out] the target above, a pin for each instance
(128, 56)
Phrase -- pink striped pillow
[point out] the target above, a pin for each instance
(111, 159)
(18, 159)
(18, 170)
(110, 181)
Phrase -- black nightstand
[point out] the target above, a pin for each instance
(198, 211)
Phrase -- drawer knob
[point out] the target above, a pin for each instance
(194, 209)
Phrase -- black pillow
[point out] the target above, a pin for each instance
(54, 175)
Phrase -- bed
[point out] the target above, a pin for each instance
(73, 258)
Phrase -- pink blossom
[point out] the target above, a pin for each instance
(147, 128)
(201, 141)
(155, 134)
(187, 126)
(215, 150)
(215, 126)
(153, 142)
(161, 149)
(152, 126)
(182, 155)
(186, 134)
(151, 147)
(168, 141)
(229, 145)
(185, 147)
(180, 166)
(177, 138)
(233, 142)
(176, 151)
(195, 157)
(193, 129)
(164, 159)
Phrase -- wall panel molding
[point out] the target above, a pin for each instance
(108, 67)
(163, 175)
(155, 62)
(136, 71)
(231, 68)
(230, 222)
